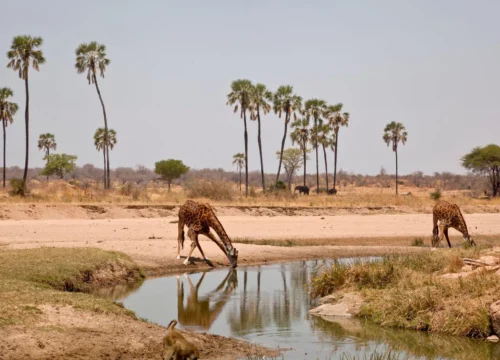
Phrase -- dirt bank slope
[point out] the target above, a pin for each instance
(59, 211)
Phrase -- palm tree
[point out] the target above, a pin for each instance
(46, 142)
(105, 140)
(239, 161)
(240, 97)
(260, 101)
(321, 136)
(314, 109)
(300, 135)
(288, 103)
(7, 111)
(23, 53)
(394, 133)
(336, 120)
(91, 58)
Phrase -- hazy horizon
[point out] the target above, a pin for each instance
(433, 66)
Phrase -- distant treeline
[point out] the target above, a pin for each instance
(143, 175)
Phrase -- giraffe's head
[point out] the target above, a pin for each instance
(232, 255)
(469, 240)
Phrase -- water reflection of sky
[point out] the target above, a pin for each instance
(269, 305)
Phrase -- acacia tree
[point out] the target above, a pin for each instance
(259, 101)
(7, 111)
(105, 140)
(240, 98)
(91, 58)
(239, 162)
(292, 161)
(336, 119)
(46, 142)
(300, 135)
(59, 164)
(23, 53)
(394, 133)
(285, 101)
(170, 170)
(314, 108)
(485, 161)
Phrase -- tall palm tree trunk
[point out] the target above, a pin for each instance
(326, 168)
(246, 152)
(317, 162)
(260, 152)
(305, 157)
(27, 122)
(282, 148)
(4, 151)
(104, 153)
(396, 151)
(335, 163)
(240, 179)
(106, 164)
(107, 167)
(48, 153)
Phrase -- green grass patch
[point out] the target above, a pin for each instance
(59, 277)
(406, 291)
(272, 242)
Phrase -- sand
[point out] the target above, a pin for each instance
(152, 241)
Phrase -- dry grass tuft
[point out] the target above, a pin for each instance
(406, 292)
(213, 190)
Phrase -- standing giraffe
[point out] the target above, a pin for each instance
(448, 215)
(199, 218)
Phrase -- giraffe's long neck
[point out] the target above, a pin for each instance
(219, 230)
(462, 225)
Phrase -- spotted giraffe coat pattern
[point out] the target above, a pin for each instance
(448, 215)
(199, 218)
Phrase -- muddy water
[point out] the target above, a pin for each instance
(269, 305)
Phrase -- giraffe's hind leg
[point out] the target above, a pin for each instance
(435, 230)
(180, 236)
(194, 240)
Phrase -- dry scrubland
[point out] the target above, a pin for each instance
(227, 193)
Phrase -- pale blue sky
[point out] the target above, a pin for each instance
(433, 65)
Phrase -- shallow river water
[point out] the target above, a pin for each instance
(268, 305)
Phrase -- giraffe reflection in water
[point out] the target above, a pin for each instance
(198, 311)
(258, 310)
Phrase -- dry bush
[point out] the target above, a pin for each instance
(18, 187)
(211, 189)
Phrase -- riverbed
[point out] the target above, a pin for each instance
(268, 305)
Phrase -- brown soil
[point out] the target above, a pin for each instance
(67, 333)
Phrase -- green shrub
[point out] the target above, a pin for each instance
(418, 242)
(436, 194)
(18, 187)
